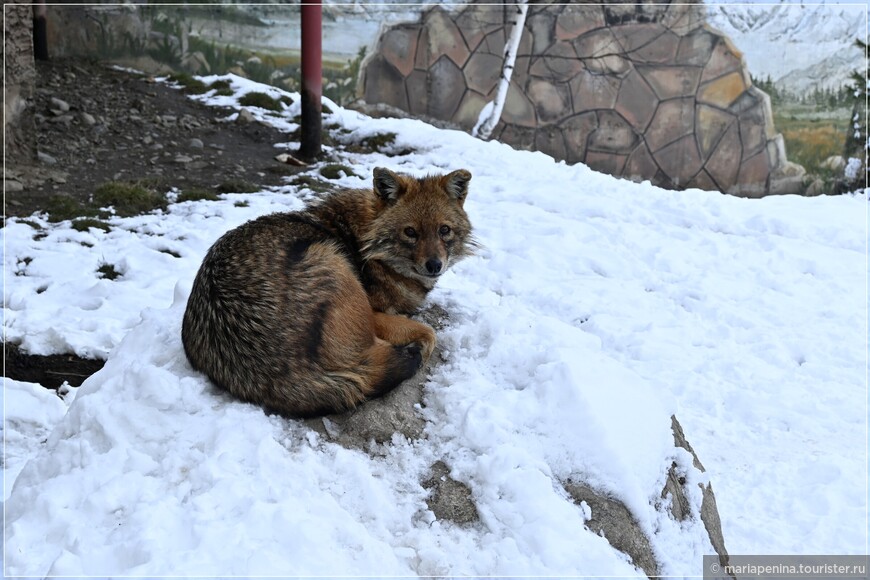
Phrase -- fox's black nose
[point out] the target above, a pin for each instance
(433, 266)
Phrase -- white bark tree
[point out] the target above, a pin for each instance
(491, 113)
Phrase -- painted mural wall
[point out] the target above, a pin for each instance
(645, 91)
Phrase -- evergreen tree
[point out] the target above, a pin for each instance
(856, 137)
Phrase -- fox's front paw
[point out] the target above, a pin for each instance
(427, 343)
(413, 354)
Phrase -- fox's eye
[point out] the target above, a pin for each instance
(411, 232)
(444, 230)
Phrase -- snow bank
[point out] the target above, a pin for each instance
(595, 309)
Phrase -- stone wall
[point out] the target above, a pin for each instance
(19, 73)
(645, 92)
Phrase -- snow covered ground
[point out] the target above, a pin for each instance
(595, 309)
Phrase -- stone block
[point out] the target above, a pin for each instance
(672, 120)
(684, 18)
(696, 47)
(551, 101)
(444, 38)
(637, 101)
(518, 109)
(446, 87)
(575, 132)
(521, 70)
(609, 163)
(723, 91)
(421, 55)
(482, 72)
(633, 37)
(521, 138)
(671, 81)
(417, 86)
(384, 84)
(611, 64)
(776, 153)
(755, 126)
(640, 165)
(680, 160)
(542, 28)
(749, 99)
(525, 46)
(478, 20)
(399, 47)
(549, 140)
(753, 175)
(493, 43)
(661, 50)
(469, 109)
(597, 43)
(724, 163)
(575, 20)
(703, 181)
(594, 91)
(723, 60)
(710, 124)
(613, 135)
(559, 62)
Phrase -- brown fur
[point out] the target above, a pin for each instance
(303, 312)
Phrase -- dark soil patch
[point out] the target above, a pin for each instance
(122, 127)
(49, 371)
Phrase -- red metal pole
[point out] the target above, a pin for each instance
(312, 83)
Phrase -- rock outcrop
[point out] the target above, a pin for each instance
(680, 505)
(645, 92)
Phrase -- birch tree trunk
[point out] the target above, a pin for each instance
(491, 113)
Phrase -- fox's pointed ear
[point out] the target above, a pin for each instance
(387, 185)
(456, 184)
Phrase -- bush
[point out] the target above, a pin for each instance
(128, 199)
(261, 100)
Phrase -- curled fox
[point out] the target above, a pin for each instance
(303, 312)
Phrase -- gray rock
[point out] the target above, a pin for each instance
(46, 158)
(12, 185)
(449, 499)
(183, 159)
(195, 143)
(817, 187)
(64, 119)
(58, 105)
(245, 116)
(709, 511)
(611, 519)
(834, 163)
(87, 119)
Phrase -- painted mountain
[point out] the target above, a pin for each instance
(801, 47)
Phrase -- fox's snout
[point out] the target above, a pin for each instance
(434, 266)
